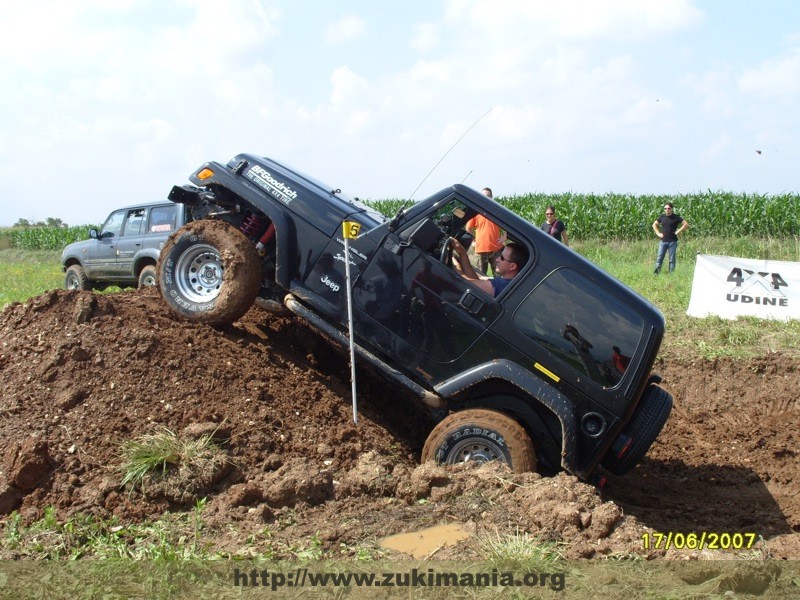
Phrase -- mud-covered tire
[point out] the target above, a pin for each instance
(148, 276)
(75, 279)
(646, 423)
(480, 435)
(209, 272)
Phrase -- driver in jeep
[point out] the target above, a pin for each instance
(506, 266)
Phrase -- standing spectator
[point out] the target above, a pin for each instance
(667, 227)
(487, 238)
(553, 226)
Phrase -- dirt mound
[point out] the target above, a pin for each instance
(82, 373)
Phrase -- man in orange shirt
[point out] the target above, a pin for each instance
(487, 242)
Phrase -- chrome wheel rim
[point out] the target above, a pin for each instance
(475, 450)
(199, 273)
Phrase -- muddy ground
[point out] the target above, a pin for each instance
(82, 373)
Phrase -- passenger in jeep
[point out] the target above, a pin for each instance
(506, 266)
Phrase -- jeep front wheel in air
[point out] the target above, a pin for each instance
(641, 431)
(209, 272)
(75, 279)
(480, 435)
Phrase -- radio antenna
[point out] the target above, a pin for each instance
(450, 150)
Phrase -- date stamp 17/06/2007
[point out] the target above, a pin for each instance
(704, 540)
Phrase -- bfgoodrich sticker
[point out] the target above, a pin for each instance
(264, 179)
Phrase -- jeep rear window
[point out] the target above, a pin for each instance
(583, 325)
(162, 218)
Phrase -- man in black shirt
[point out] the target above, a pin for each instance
(667, 227)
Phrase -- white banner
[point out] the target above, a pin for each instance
(730, 287)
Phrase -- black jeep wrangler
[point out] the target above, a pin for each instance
(553, 373)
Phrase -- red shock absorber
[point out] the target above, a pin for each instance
(261, 246)
(251, 226)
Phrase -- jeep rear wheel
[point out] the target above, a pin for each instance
(209, 272)
(646, 423)
(480, 435)
(147, 277)
(75, 279)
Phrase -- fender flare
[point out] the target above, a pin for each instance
(285, 244)
(531, 386)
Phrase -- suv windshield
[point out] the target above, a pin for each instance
(113, 225)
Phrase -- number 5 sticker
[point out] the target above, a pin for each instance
(350, 229)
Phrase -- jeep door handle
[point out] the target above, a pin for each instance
(471, 303)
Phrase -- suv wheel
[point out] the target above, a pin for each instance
(646, 423)
(209, 272)
(480, 435)
(147, 278)
(75, 279)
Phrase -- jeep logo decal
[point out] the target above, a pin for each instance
(331, 284)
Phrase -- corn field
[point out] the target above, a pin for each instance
(46, 238)
(630, 217)
(588, 216)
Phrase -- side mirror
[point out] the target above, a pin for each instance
(424, 235)
(93, 233)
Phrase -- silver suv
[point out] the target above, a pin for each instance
(125, 250)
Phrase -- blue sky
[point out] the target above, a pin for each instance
(107, 103)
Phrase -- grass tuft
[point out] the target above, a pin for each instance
(519, 547)
(154, 454)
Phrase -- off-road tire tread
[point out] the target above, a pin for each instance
(518, 442)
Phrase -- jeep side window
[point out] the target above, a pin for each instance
(113, 225)
(452, 217)
(582, 325)
(163, 219)
(431, 234)
(134, 222)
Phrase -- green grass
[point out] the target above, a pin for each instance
(152, 454)
(519, 547)
(170, 537)
(28, 273)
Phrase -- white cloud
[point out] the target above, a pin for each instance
(347, 86)
(777, 78)
(514, 122)
(717, 147)
(426, 37)
(574, 19)
(345, 29)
